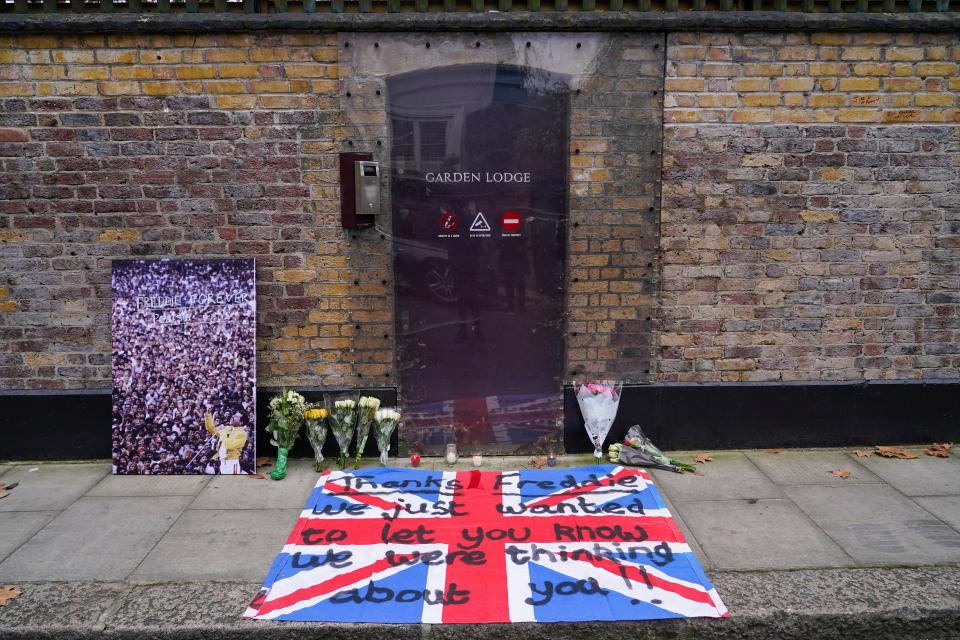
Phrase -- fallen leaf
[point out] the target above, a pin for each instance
(263, 461)
(862, 453)
(7, 594)
(538, 463)
(894, 452)
(3, 494)
(773, 451)
(841, 473)
(939, 450)
(256, 476)
(11, 487)
(702, 458)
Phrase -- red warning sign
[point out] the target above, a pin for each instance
(449, 222)
(510, 221)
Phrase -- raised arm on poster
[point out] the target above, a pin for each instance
(232, 438)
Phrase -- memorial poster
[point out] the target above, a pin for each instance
(184, 366)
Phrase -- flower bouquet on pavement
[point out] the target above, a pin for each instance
(367, 410)
(343, 422)
(384, 422)
(637, 441)
(286, 418)
(598, 403)
(316, 425)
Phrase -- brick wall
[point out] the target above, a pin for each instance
(211, 145)
(811, 213)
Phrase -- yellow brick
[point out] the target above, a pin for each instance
(45, 72)
(72, 56)
(161, 56)
(119, 88)
(831, 174)
(319, 87)
(12, 236)
(872, 38)
(860, 53)
(716, 100)
(859, 84)
(797, 53)
(287, 102)
(161, 88)
(225, 55)
(902, 84)
(793, 100)
(270, 86)
(830, 38)
(758, 115)
(224, 86)
(235, 102)
(866, 100)
(793, 115)
(793, 84)
(904, 54)
(326, 54)
(934, 100)
(761, 100)
(294, 275)
(194, 73)
(899, 99)
(936, 69)
(306, 70)
(751, 84)
(953, 84)
(66, 88)
(12, 57)
(269, 55)
(827, 84)
(763, 69)
(860, 115)
(871, 69)
(9, 305)
(88, 73)
(237, 71)
(131, 73)
(682, 116)
(118, 235)
(828, 100)
(828, 68)
(39, 42)
(116, 57)
(16, 89)
(902, 115)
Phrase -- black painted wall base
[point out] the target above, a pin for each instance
(76, 425)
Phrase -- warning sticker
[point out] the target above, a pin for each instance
(510, 221)
(480, 224)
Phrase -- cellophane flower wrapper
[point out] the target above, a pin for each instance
(317, 429)
(343, 422)
(384, 422)
(367, 408)
(598, 403)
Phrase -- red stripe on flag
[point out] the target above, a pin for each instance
(635, 574)
(359, 496)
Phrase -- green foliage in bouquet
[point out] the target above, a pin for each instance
(286, 420)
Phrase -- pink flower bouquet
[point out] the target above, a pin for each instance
(598, 402)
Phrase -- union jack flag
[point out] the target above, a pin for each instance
(409, 546)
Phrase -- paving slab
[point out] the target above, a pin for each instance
(924, 476)
(147, 486)
(688, 534)
(877, 525)
(759, 534)
(242, 492)
(731, 476)
(808, 467)
(16, 527)
(4, 468)
(946, 508)
(50, 487)
(238, 544)
(95, 539)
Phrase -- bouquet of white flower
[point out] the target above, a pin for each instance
(598, 403)
(286, 418)
(384, 422)
(368, 408)
(343, 421)
(316, 427)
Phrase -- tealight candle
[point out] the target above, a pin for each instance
(451, 456)
(477, 459)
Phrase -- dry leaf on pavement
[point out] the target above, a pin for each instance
(773, 450)
(862, 453)
(8, 593)
(937, 449)
(3, 494)
(841, 473)
(263, 461)
(256, 476)
(894, 452)
(702, 458)
(538, 463)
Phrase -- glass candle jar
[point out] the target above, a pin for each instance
(477, 459)
(451, 455)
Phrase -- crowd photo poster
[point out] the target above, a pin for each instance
(184, 367)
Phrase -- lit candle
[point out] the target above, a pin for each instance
(552, 459)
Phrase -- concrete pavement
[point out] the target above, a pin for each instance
(793, 550)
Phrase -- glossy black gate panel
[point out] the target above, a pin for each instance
(479, 197)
